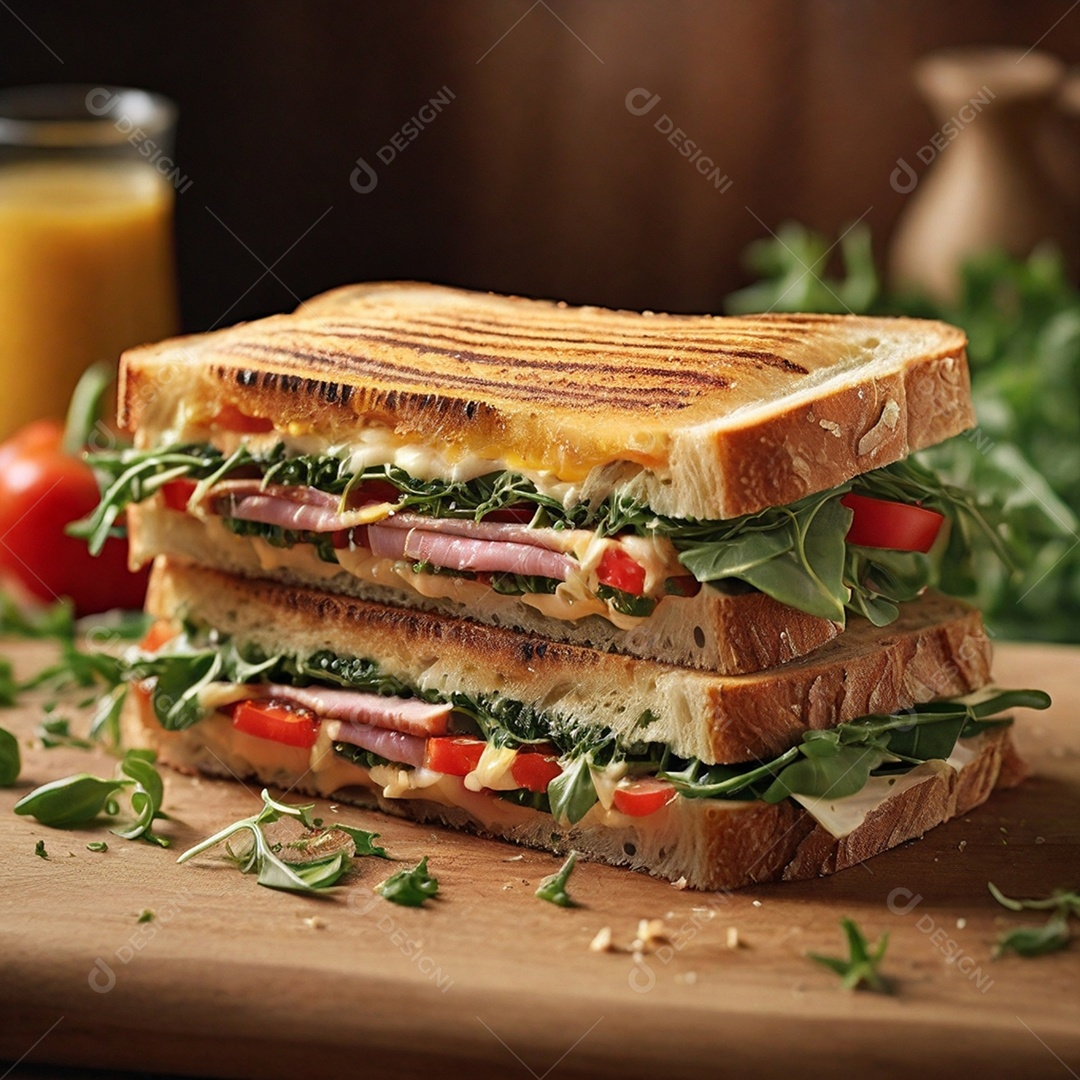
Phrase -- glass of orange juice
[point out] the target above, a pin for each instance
(87, 265)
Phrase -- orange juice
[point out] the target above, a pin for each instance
(86, 270)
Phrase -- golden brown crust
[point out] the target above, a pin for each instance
(710, 843)
(725, 415)
(937, 648)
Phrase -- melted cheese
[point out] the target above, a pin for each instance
(494, 770)
(841, 817)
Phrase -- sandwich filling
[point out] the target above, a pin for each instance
(570, 551)
(331, 715)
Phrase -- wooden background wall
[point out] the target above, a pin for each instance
(535, 178)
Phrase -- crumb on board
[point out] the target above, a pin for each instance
(515, 858)
(681, 883)
(733, 941)
(315, 922)
(961, 845)
(689, 977)
(1040, 839)
(602, 941)
(757, 903)
(650, 933)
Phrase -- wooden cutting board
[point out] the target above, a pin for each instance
(231, 979)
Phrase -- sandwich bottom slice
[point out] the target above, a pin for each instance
(377, 708)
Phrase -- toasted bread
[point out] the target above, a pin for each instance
(730, 631)
(719, 417)
(937, 648)
(707, 843)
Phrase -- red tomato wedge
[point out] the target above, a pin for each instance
(534, 771)
(639, 798)
(279, 721)
(620, 571)
(454, 755)
(230, 418)
(156, 636)
(879, 523)
(175, 494)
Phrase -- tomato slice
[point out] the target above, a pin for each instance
(230, 418)
(373, 491)
(639, 798)
(534, 771)
(279, 721)
(454, 755)
(879, 523)
(176, 493)
(620, 571)
(160, 632)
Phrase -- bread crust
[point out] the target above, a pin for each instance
(730, 633)
(708, 843)
(937, 648)
(724, 415)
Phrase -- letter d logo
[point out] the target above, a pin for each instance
(635, 96)
(363, 172)
(97, 983)
(903, 178)
(902, 901)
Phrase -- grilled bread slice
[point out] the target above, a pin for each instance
(705, 417)
(701, 843)
(729, 631)
(936, 649)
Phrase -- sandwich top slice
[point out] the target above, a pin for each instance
(712, 492)
(721, 780)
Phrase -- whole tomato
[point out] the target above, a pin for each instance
(42, 490)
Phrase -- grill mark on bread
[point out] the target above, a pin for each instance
(634, 345)
(634, 399)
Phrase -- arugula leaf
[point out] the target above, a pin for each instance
(553, 888)
(409, 888)
(55, 731)
(8, 688)
(76, 800)
(97, 845)
(311, 878)
(10, 759)
(71, 800)
(1037, 940)
(146, 798)
(39, 850)
(363, 841)
(56, 621)
(861, 966)
(572, 793)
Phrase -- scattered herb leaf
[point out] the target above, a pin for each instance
(10, 759)
(1037, 940)
(55, 731)
(97, 845)
(409, 888)
(861, 966)
(78, 799)
(261, 856)
(553, 888)
(363, 840)
(146, 915)
(8, 688)
(39, 850)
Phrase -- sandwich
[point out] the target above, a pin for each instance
(713, 781)
(717, 493)
(665, 590)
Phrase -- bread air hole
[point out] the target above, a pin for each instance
(699, 637)
(630, 849)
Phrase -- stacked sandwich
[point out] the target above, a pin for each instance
(657, 588)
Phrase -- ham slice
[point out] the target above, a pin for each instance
(457, 544)
(407, 715)
(463, 553)
(392, 745)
